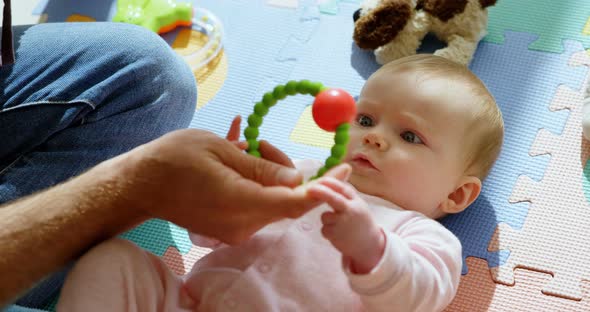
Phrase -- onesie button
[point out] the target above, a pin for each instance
(305, 226)
(230, 303)
(264, 267)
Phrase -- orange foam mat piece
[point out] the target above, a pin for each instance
(182, 264)
(478, 292)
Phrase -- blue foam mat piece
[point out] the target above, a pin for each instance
(157, 235)
(60, 10)
(523, 83)
(301, 45)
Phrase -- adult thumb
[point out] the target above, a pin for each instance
(264, 171)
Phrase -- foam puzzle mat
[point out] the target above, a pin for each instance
(524, 240)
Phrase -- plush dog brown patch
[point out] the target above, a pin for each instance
(442, 9)
(382, 25)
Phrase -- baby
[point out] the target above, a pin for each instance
(426, 134)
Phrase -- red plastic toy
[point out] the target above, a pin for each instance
(333, 107)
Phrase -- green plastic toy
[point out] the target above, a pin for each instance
(332, 111)
(164, 15)
(156, 15)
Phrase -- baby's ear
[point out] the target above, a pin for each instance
(466, 193)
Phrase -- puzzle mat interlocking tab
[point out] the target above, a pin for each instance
(554, 237)
(552, 21)
(478, 293)
(523, 82)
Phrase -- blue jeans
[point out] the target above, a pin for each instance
(78, 94)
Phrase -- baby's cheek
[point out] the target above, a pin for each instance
(421, 188)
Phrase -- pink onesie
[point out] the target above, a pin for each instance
(286, 266)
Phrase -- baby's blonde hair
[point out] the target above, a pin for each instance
(485, 130)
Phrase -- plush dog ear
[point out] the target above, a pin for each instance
(356, 15)
(487, 3)
(382, 24)
(444, 10)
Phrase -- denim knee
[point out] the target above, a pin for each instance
(124, 67)
(156, 65)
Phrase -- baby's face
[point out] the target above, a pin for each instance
(406, 143)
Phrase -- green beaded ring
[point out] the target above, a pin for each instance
(332, 111)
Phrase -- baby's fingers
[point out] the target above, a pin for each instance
(339, 186)
(323, 193)
(329, 218)
(328, 232)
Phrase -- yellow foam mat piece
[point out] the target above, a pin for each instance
(586, 30)
(307, 132)
(211, 77)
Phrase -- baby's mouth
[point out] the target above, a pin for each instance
(363, 161)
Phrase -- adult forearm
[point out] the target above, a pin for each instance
(41, 233)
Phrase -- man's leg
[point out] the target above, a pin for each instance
(78, 94)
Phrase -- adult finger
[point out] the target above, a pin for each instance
(270, 203)
(233, 134)
(242, 145)
(259, 170)
(270, 152)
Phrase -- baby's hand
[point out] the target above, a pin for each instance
(350, 227)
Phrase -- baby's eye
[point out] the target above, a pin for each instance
(364, 120)
(411, 137)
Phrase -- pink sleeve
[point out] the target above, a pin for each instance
(419, 271)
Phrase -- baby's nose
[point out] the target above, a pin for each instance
(375, 140)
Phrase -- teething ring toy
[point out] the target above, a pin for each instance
(332, 110)
(208, 24)
(162, 16)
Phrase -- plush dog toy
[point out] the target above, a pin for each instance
(395, 28)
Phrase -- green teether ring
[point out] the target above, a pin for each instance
(332, 110)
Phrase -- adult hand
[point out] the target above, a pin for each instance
(267, 150)
(202, 182)
(190, 177)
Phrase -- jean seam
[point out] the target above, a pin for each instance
(84, 101)
(11, 164)
(30, 104)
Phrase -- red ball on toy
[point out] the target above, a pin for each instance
(333, 107)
